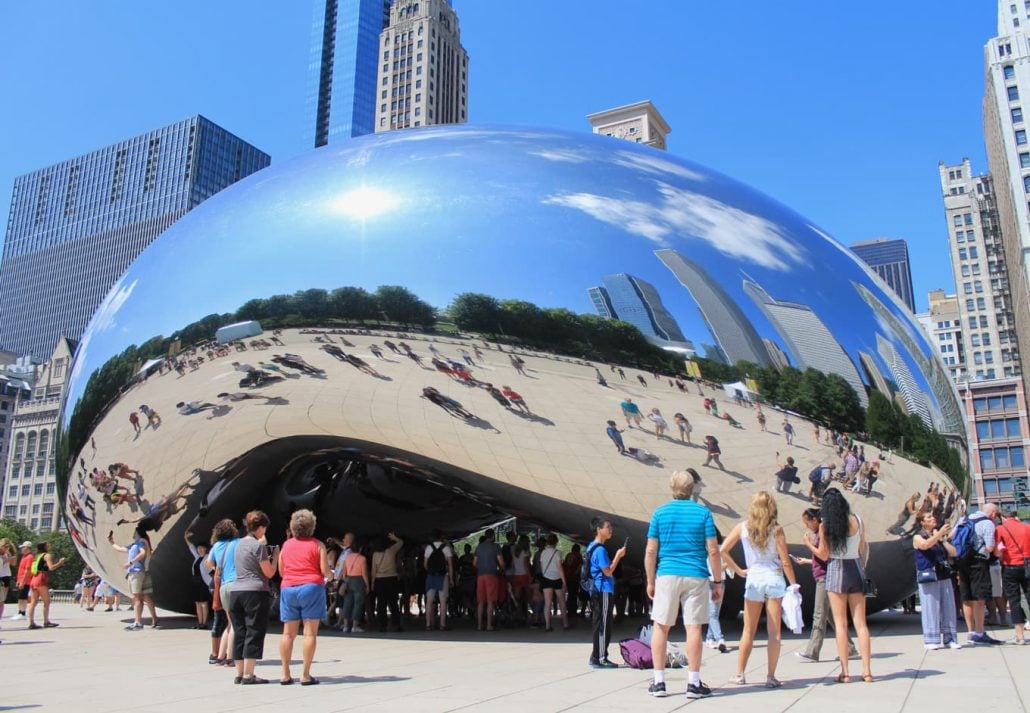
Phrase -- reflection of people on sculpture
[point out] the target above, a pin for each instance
(600, 378)
(241, 396)
(391, 346)
(376, 351)
(515, 398)
(354, 361)
(518, 364)
(160, 511)
(153, 419)
(79, 512)
(732, 421)
(295, 361)
(445, 402)
(121, 470)
(684, 427)
(187, 408)
(713, 451)
(616, 435)
(910, 508)
(497, 395)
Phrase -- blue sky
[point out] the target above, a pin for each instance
(841, 111)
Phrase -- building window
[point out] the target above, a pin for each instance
(981, 303)
(1020, 137)
(1013, 93)
(973, 254)
(1008, 71)
(1017, 115)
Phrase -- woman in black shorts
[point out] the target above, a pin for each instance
(552, 581)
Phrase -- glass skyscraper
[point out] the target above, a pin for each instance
(344, 64)
(75, 227)
(889, 260)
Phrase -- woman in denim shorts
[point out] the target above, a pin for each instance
(765, 552)
(304, 566)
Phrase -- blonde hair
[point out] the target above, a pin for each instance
(682, 485)
(6, 545)
(302, 523)
(761, 518)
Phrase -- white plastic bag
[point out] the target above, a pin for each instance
(645, 634)
(675, 657)
(792, 609)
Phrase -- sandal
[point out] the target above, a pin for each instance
(843, 678)
(310, 682)
(286, 682)
(868, 678)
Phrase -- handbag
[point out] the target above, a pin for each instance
(925, 576)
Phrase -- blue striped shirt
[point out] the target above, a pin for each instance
(681, 528)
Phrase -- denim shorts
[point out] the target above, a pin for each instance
(305, 601)
(764, 585)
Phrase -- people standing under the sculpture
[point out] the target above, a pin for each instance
(1013, 546)
(713, 451)
(572, 564)
(304, 568)
(43, 564)
(489, 565)
(137, 571)
(933, 577)
(843, 546)
(251, 596)
(811, 519)
(682, 549)
(765, 553)
(221, 561)
(521, 578)
(200, 580)
(356, 585)
(631, 412)
(974, 581)
(552, 581)
(438, 560)
(602, 591)
(386, 583)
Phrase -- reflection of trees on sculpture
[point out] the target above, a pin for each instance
(552, 329)
(558, 330)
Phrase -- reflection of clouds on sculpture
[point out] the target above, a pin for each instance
(683, 213)
(103, 321)
(655, 165)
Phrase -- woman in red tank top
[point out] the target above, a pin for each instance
(304, 567)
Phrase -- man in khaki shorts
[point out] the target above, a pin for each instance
(681, 539)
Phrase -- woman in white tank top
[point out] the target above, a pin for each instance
(765, 552)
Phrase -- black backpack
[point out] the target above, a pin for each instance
(586, 573)
(437, 562)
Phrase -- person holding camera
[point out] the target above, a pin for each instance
(251, 596)
(933, 576)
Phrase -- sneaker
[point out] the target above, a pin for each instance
(357, 630)
(16, 617)
(699, 690)
(953, 644)
(991, 640)
(739, 679)
(772, 682)
(134, 627)
(932, 647)
(1018, 642)
(594, 663)
(657, 689)
(805, 657)
(606, 663)
(712, 644)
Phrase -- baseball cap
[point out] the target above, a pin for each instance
(25, 544)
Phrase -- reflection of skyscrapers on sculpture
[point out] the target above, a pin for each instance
(730, 327)
(949, 418)
(889, 260)
(807, 338)
(876, 377)
(636, 301)
(77, 225)
(911, 395)
(779, 357)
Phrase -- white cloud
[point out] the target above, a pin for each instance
(111, 305)
(682, 214)
(655, 165)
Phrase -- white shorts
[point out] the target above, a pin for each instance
(672, 592)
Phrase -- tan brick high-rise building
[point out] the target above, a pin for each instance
(423, 69)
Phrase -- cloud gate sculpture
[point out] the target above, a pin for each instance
(305, 337)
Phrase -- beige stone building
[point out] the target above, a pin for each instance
(30, 482)
(640, 123)
(423, 70)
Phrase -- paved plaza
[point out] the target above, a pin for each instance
(91, 662)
